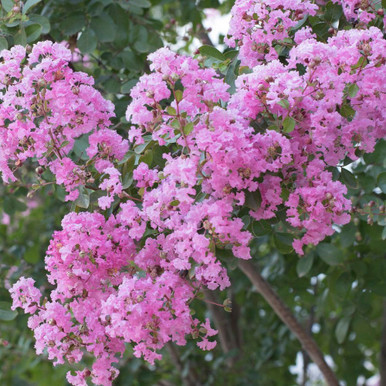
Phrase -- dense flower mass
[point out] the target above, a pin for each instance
(44, 107)
(258, 27)
(128, 276)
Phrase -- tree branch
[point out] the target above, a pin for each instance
(190, 378)
(285, 314)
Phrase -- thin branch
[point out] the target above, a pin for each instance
(222, 321)
(190, 378)
(285, 314)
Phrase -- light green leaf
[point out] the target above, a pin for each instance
(352, 90)
(83, 201)
(284, 103)
(188, 128)
(289, 124)
(7, 5)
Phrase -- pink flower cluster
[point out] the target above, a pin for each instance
(258, 26)
(130, 277)
(363, 10)
(44, 107)
(105, 296)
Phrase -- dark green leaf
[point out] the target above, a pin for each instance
(3, 43)
(140, 3)
(33, 32)
(43, 21)
(212, 52)
(304, 264)
(261, 228)
(330, 254)
(6, 313)
(29, 4)
(342, 329)
(126, 87)
(381, 180)
(104, 28)
(73, 24)
(87, 41)
(349, 178)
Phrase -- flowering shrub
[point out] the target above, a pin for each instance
(126, 271)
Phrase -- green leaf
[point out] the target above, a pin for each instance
(73, 24)
(289, 124)
(283, 242)
(11, 205)
(188, 128)
(83, 201)
(7, 5)
(87, 41)
(147, 157)
(253, 199)
(330, 254)
(347, 111)
(304, 264)
(332, 13)
(33, 32)
(284, 103)
(381, 180)
(43, 21)
(212, 52)
(352, 90)
(6, 313)
(179, 95)
(126, 87)
(32, 254)
(171, 110)
(342, 329)
(261, 228)
(140, 3)
(29, 4)
(21, 37)
(104, 28)
(3, 43)
(139, 37)
(348, 178)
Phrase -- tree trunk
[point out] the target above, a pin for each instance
(285, 314)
